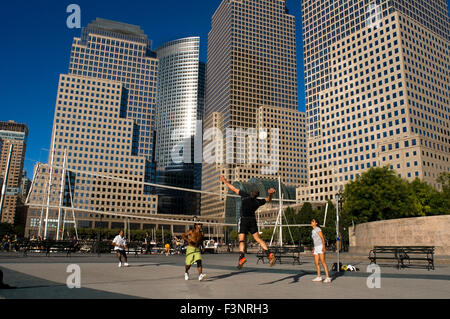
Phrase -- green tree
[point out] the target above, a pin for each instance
(444, 195)
(379, 194)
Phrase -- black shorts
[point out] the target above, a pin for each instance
(122, 252)
(247, 225)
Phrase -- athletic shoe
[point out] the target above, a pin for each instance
(272, 259)
(186, 276)
(317, 279)
(120, 264)
(327, 280)
(242, 261)
(125, 264)
(201, 277)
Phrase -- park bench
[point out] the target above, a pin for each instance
(132, 247)
(385, 253)
(281, 253)
(417, 253)
(59, 246)
(37, 246)
(402, 254)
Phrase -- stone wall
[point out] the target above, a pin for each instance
(416, 231)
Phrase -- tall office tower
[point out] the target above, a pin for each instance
(13, 142)
(88, 128)
(105, 118)
(251, 63)
(179, 104)
(111, 50)
(377, 90)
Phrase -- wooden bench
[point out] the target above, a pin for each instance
(403, 253)
(46, 246)
(417, 253)
(384, 252)
(282, 253)
(133, 247)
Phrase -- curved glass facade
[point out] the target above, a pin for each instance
(179, 104)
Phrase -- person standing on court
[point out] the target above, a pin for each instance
(319, 251)
(120, 245)
(194, 238)
(247, 222)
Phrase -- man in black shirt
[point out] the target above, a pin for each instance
(247, 221)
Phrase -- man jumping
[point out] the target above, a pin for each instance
(247, 222)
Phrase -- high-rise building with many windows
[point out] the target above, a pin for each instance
(105, 122)
(179, 105)
(251, 64)
(376, 89)
(116, 51)
(13, 143)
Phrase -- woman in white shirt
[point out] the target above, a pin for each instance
(319, 251)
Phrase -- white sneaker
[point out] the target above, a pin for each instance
(120, 264)
(186, 276)
(125, 264)
(201, 277)
(317, 279)
(327, 280)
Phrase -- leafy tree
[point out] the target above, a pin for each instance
(444, 201)
(379, 194)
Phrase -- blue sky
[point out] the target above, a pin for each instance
(35, 49)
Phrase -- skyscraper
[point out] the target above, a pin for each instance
(376, 89)
(116, 51)
(13, 143)
(179, 104)
(104, 122)
(251, 63)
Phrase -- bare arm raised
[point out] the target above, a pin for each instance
(231, 187)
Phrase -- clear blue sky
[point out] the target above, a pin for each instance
(35, 48)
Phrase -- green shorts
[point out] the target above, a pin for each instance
(192, 255)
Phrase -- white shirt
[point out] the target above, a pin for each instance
(316, 238)
(119, 240)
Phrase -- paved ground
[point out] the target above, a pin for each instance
(161, 277)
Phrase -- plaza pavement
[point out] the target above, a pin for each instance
(162, 277)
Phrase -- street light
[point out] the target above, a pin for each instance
(337, 231)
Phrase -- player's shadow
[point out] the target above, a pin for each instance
(228, 275)
(148, 265)
(295, 278)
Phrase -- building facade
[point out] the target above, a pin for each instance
(377, 91)
(251, 63)
(179, 105)
(105, 123)
(12, 135)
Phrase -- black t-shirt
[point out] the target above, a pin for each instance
(249, 205)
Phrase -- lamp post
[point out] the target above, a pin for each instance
(337, 232)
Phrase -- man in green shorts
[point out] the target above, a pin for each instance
(194, 237)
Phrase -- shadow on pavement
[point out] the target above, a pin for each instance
(228, 275)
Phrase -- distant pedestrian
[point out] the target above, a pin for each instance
(120, 245)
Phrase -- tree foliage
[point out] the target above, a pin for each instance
(380, 194)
